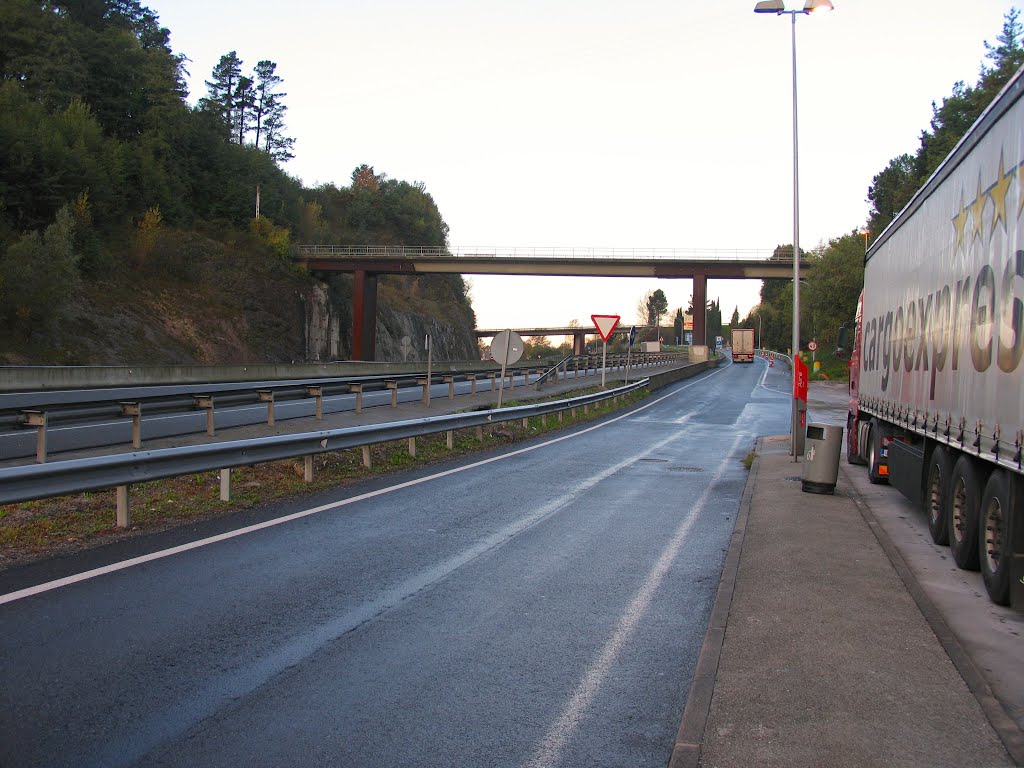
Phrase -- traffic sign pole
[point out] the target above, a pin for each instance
(605, 325)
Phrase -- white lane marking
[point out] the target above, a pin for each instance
(762, 385)
(565, 727)
(114, 567)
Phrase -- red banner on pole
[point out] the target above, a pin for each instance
(800, 380)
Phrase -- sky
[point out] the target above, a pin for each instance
(589, 123)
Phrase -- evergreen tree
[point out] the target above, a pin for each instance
(223, 88)
(265, 98)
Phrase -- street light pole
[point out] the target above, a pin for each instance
(778, 7)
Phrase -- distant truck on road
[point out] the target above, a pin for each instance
(743, 345)
(936, 381)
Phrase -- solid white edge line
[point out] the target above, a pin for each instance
(48, 586)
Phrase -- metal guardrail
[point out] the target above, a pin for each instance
(59, 478)
(497, 252)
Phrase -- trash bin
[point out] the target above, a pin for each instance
(821, 460)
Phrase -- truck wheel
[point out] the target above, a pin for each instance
(936, 494)
(875, 454)
(852, 456)
(964, 502)
(994, 529)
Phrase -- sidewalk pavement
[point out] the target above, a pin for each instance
(817, 653)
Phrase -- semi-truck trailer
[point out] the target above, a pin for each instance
(743, 345)
(936, 374)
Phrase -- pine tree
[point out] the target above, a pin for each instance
(222, 89)
(264, 98)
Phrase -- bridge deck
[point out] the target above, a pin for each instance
(571, 262)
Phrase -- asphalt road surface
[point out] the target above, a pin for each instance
(543, 606)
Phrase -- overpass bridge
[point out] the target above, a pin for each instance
(578, 334)
(366, 262)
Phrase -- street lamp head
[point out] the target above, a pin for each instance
(812, 6)
(779, 6)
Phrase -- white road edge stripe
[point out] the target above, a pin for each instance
(48, 586)
(563, 729)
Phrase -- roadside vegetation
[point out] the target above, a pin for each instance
(38, 529)
(117, 198)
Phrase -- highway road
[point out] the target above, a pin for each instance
(541, 606)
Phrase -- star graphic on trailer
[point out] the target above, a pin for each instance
(977, 209)
(960, 222)
(998, 194)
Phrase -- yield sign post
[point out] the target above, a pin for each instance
(605, 325)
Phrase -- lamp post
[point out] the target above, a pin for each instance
(778, 7)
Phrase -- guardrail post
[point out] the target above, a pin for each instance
(559, 417)
(38, 420)
(123, 518)
(366, 456)
(451, 439)
(358, 390)
(492, 376)
(425, 383)
(393, 386)
(472, 383)
(135, 411)
(450, 381)
(543, 419)
(225, 484)
(526, 422)
(205, 402)
(307, 469)
(480, 434)
(412, 447)
(267, 396)
(317, 392)
(586, 409)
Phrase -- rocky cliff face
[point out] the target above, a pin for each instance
(400, 334)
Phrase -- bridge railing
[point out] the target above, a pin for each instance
(385, 252)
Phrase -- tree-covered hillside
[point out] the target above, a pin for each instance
(125, 212)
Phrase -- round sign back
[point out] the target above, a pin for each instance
(507, 347)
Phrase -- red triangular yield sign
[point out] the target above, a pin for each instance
(605, 324)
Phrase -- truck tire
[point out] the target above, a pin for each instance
(936, 494)
(852, 456)
(875, 454)
(995, 523)
(963, 508)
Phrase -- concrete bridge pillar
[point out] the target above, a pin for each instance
(364, 315)
(579, 341)
(700, 308)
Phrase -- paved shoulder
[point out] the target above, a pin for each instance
(827, 660)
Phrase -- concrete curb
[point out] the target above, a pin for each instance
(1005, 726)
(686, 751)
